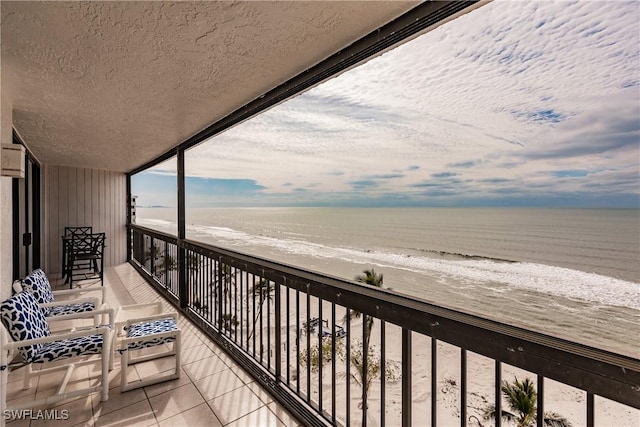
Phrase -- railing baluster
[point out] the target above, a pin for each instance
(463, 387)
(278, 337)
(434, 382)
(308, 334)
(407, 400)
(297, 342)
(348, 365)
(540, 402)
(268, 283)
(364, 361)
(498, 393)
(383, 370)
(590, 410)
(288, 323)
(152, 257)
(320, 355)
(333, 363)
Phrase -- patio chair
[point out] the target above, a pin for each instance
(24, 331)
(85, 253)
(38, 284)
(70, 233)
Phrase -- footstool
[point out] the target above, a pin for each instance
(148, 332)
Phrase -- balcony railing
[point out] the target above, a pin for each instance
(295, 332)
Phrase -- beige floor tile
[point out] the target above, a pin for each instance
(175, 401)
(73, 385)
(257, 389)
(78, 411)
(117, 400)
(204, 367)
(235, 404)
(114, 375)
(15, 391)
(165, 386)
(138, 414)
(19, 423)
(242, 374)
(201, 415)
(218, 384)
(196, 353)
(284, 415)
(189, 339)
(262, 417)
(154, 367)
(54, 379)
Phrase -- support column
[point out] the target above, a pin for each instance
(183, 289)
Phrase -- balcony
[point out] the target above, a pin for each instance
(265, 343)
(213, 390)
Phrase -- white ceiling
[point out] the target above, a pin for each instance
(111, 85)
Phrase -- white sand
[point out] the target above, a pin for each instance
(565, 400)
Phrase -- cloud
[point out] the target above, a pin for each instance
(512, 103)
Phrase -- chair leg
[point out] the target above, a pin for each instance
(26, 384)
(4, 379)
(106, 364)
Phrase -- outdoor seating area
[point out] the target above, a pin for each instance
(174, 374)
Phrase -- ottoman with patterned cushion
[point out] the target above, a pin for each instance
(159, 331)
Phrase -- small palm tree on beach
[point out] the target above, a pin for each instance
(263, 291)
(370, 277)
(522, 400)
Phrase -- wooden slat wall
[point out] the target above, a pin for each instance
(76, 197)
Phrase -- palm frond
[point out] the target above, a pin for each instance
(552, 419)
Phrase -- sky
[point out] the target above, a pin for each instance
(514, 104)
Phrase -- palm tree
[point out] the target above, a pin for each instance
(369, 277)
(262, 290)
(522, 399)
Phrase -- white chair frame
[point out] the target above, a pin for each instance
(77, 298)
(126, 359)
(9, 349)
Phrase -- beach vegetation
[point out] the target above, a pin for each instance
(198, 305)
(229, 322)
(364, 376)
(522, 399)
(319, 355)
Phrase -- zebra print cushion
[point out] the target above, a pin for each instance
(24, 320)
(81, 307)
(147, 328)
(38, 284)
(80, 346)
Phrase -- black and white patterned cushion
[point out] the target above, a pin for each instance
(38, 284)
(81, 307)
(24, 320)
(145, 329)
(80, 346)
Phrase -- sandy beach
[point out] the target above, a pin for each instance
(559, 398)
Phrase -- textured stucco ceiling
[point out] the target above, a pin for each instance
(111, 85)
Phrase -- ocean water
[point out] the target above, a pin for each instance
(572, 273)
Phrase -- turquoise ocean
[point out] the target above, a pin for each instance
(573, 273)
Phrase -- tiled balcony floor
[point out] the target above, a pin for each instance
(212, 391)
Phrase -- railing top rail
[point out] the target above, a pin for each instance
(155, 233)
